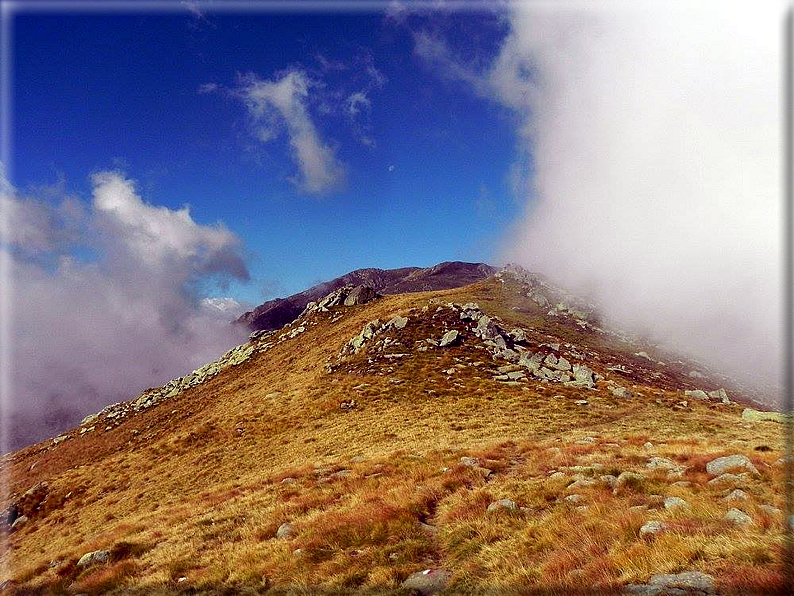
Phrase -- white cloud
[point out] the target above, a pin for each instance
(86, 334)
(283, 102)
(653, 131)
(356, 102)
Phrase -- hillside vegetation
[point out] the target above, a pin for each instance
(314, 462)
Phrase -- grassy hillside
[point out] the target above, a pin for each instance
(360, 453)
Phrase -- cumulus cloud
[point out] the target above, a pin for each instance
(91, 331)
(650, 152)
(282, 104)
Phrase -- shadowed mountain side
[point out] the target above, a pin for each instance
(274, 314)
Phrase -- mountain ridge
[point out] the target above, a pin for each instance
(276, 313)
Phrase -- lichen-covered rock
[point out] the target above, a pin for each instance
(758, 416)
(286, 531)
(730, 462)
(450, 338)
(738, 517)
(502, 505)
(94, 557)
(697, 394)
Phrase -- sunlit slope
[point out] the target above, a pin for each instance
(358, 446)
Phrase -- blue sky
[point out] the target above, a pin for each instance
(425, 160)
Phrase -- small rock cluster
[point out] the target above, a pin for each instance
(718, 395)
(19, 512)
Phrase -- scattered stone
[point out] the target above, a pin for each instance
(651, 528)
(738, 517)
(696, 375)
(621, 392)
(730, 462)
(697, 394)
(574, 498)
(581, 483)
(770, 510)
(758, 416)
(96, 556)
(502, 505)
(580, 402)
(675, 503)
(689, 581)
(720, 395)
(427, 582)
(586, 441)
(643, 355)
(285, 531)
(556, 475)
(397, 322)
(470, 462)
(360, 295)
(450, 338)
(288, 480)
(515, 375)
(518, 336)
(648, 445)
(656, 463)
(609, 480)
(20, 521)
(736, 495)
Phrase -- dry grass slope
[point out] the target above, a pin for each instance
(188, 496)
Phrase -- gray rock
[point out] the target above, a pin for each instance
(656, 463)
(675, 503)
(470, 462)
(563, 364)
(738, 517)
(502, 505)
(609, 480)
(725, 479)
(758, 416)
(485, 329)
(20, 521)
(621, 392)
(574, 498)
(397, 322)
(720, 395)
(651, 528)
(515, 375)
(450, 338)
(689, 580)
(518, 336)
(583, 376)
(360, 295)
(736, 495)
(728, 463)
(427, 582)
(94, 557)
(286, 531)
(697, 394)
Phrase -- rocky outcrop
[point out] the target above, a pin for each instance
(759, 416)
(274, 314)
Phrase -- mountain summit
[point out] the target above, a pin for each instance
(493, 436)
(450, 274)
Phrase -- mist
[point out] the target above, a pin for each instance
(653, 138)
(106, 302)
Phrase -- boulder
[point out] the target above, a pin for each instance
(621, 392)
(502, 505)
(397, 322)
(427, 582)
(675, 503)
(518, 336)
(697, 394)
(691, 581)
(470, 462)
(486, 330)
(730, 462)
(720, 395)
(736, 495)
(286, 531)
(651, 528)
(360, 295)
(738, 517)
(758, 416)
(450, 338)
(94, 557)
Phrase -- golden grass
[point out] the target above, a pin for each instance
(186, 500)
